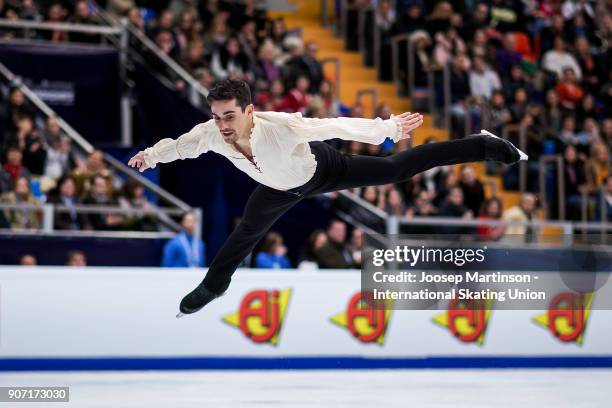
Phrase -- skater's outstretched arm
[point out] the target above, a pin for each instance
(373, 131)
(187, 146)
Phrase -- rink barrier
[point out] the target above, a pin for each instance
(300, 363)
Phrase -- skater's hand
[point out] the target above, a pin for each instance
(138, 162)
(409, 122)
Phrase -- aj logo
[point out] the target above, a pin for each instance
(567, 316)
(466, 320)
(261, 315)
(365, 318)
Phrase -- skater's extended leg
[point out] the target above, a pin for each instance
(263, 208)
(366, 170)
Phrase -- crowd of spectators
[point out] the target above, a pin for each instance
(39, 164)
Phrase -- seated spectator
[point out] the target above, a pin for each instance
(273, 253)
(76, 258)
(598, 166)
(449, 181)
(558, 59)
(454, 206)
(298, 98)
(60, 158)
(498, 112)
(355, 246)
(303, 62)
(34, 153)
(56, 14)
(23, 218)
(52, 132)
(483, 80)
(100, 194)
(575, 182)
(334, 253)
(274, 98)
(182, 251)
(507, 56)
(64, 195)
(83, 15)
(518, 109)
(422, 207)
(315, 241)
(523, 212)
(448, 44)
(230, 61)
(472, 188)
(569, 90)
(603, 202)
(28, 260)
(393, 204)
(94, 166)
(266, 69)
(14, 166)
(491, 209)
(133, 197)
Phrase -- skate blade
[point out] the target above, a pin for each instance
(179, 315)
(522, 155)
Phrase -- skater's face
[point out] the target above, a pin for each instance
(231, 120)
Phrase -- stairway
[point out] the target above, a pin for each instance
(355, 76)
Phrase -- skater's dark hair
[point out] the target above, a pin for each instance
(229, 89)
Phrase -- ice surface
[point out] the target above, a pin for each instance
(327, 388)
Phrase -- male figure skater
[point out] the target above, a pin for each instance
(286, 154)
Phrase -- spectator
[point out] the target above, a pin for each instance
(76, 258)
(450, 180)
(575, 182)
(334, 253)
(603, 202)
(304, 63)
(13, 166)
(558, 59)
(491, 210)
(182, 251)
(598, 166)
(298, 98)
(94, 166)
(56, 14)
(83, 15)
(53, 132)
(64, 195)
(24, 218)
(60, 158)
(454, 205)
(101, 194)
(355, 246)
(273, 253)
(315, 242)
(498, 112)
(28, 260)
(133, 197)
(483, 80)
(230, 61)
(523, 212)
(393, 203)
(568, 89)
(472, 188)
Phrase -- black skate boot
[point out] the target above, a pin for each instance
(501, 150)
(196, 299)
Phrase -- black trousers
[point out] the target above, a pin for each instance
(335, 171)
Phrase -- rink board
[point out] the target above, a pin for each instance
(124, 318)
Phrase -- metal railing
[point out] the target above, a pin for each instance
(393, 223)
(48, 212)
(558, 160)
(373, 94)
(335, 61)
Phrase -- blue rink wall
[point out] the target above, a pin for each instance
(124, 319)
